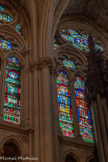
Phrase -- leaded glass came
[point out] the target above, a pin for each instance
(12, 91)
(64, 105)
(82, 110)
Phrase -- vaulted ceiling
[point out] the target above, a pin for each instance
(95, 10)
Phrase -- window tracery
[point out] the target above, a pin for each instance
(6, 16)
(76, 39)
(12, 46)
(83, 113)
(7, 44)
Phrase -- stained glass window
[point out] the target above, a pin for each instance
(55, 44)
(78, 40)
(5, 17)
(83, 111)
(18, 29)
(69, 63)
(1, 8)
(12, 91)
(7, 44)
(64, 105)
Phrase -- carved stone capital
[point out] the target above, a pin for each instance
(45, 62)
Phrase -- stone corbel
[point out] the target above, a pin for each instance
(45, 62)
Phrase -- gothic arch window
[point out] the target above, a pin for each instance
(12, 46)
(72, 65)
(71, 49)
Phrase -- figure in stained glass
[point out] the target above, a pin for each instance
(64, 105)
(83, 111)
(12, 91)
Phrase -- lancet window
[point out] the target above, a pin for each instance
(12, 91)
(82, 110)
(64, 104)
(11, 47)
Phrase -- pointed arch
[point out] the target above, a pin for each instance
(16, 141)
(71, 155)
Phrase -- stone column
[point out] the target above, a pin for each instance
(35, 104)
(46, 132)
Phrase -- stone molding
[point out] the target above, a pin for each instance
(77, 142)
